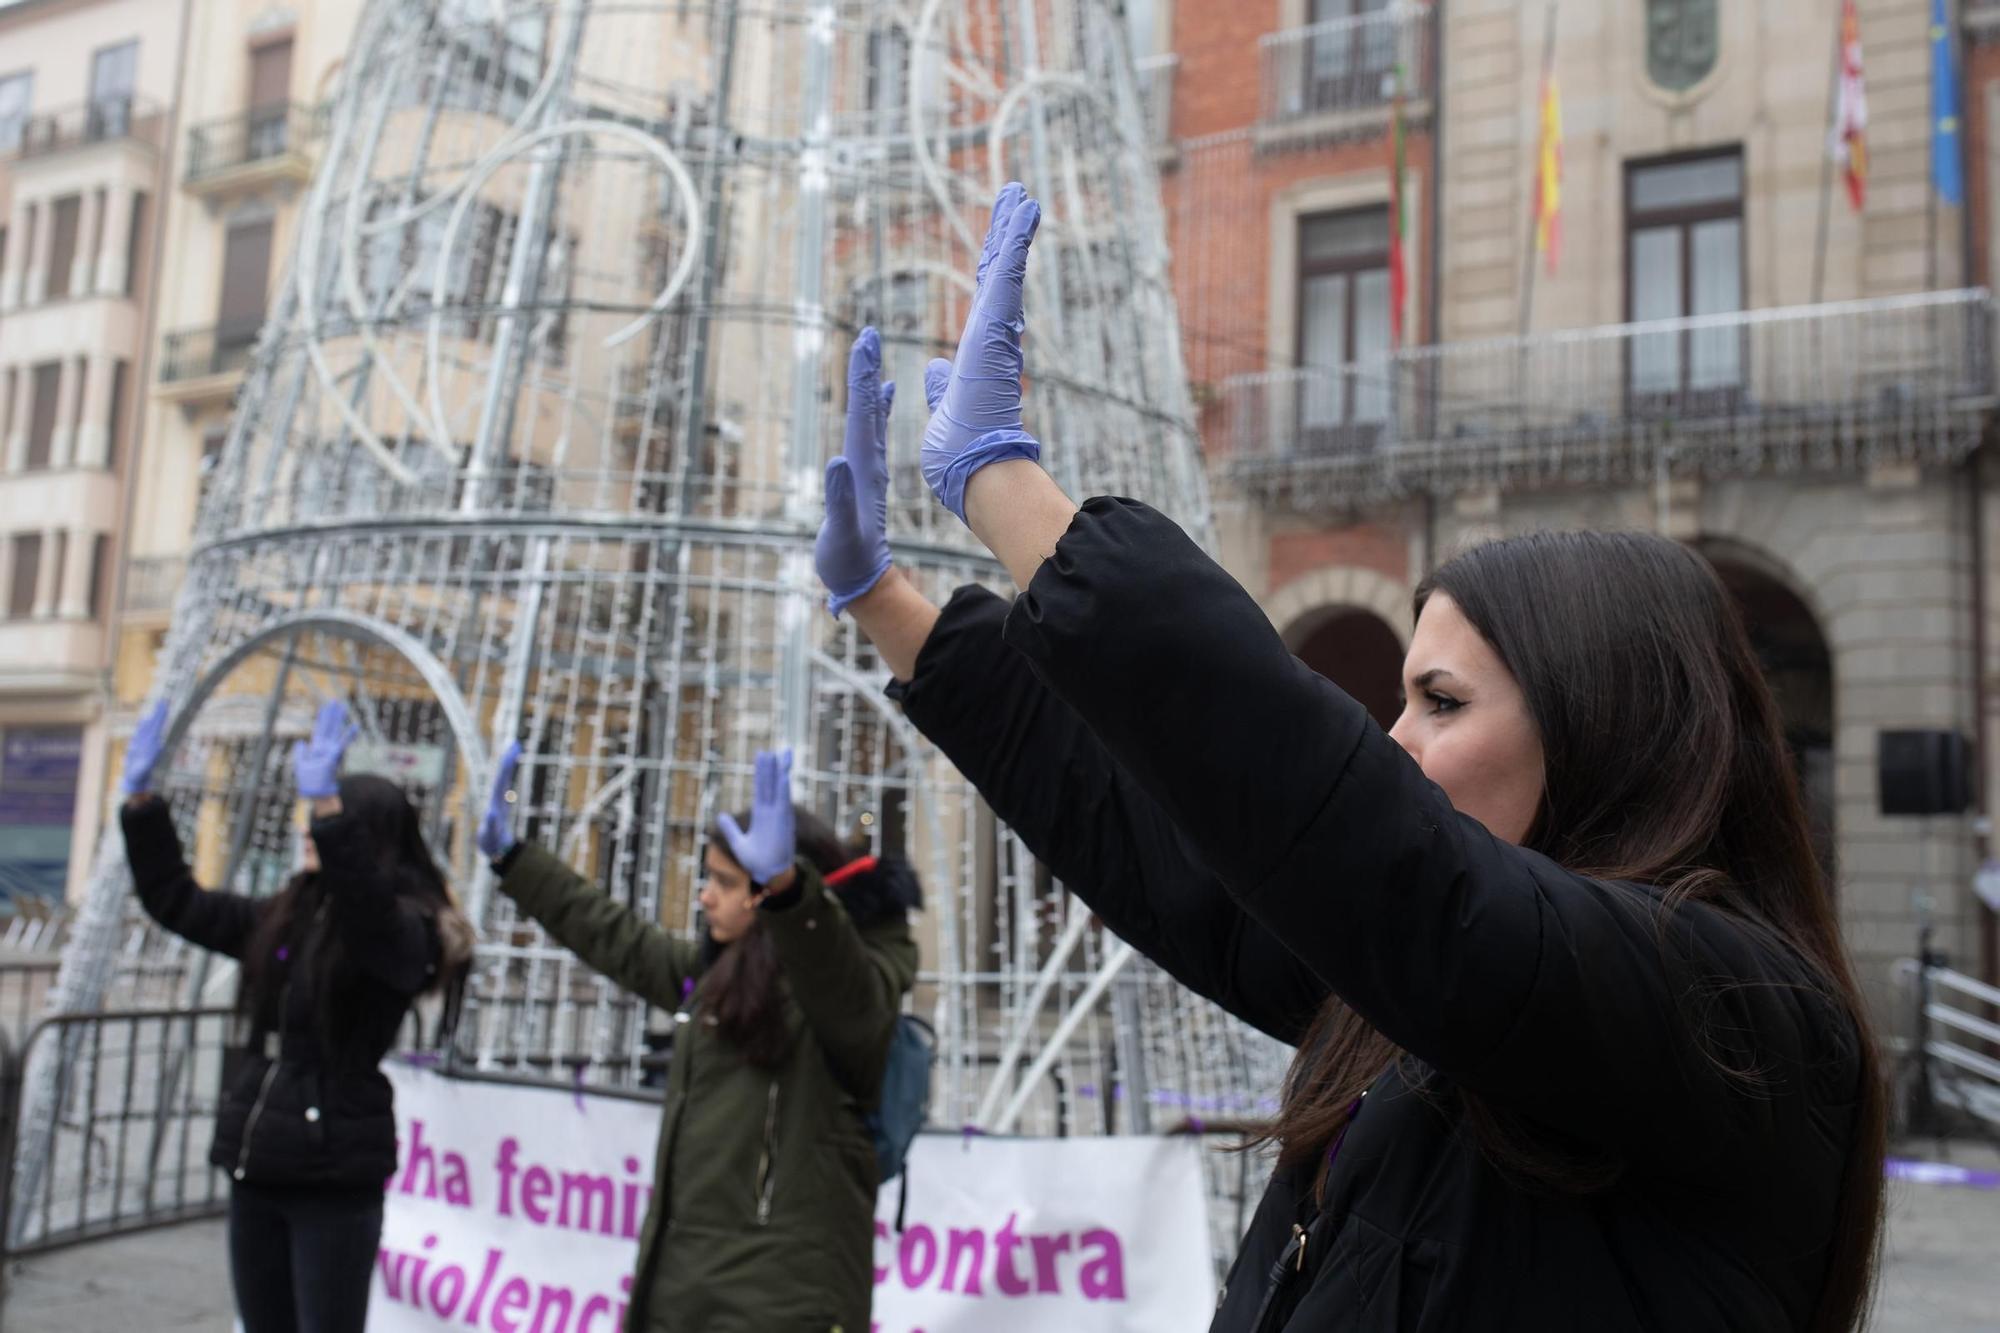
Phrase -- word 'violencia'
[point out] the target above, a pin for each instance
(516, 1305)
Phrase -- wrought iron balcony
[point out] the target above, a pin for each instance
(199, 354)
(152, 582)
(1818, 388)
(261, 134)
(1319, 76)
(104, 120)
(1156, 95)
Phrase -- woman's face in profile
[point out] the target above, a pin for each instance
(728, 900)
(1466, 723)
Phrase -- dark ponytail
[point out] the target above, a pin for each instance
(387, 825)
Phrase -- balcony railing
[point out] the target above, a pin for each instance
(1810, 387)
(191, 354)
(153, 581)
(1156, 95)
(102, 121)
(257, 135)
(1346, 65)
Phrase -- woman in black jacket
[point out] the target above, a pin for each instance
(330, 965)
(1578, 1042)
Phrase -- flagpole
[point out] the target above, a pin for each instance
(1826, 157)
(1965, 233)
(1528, 265)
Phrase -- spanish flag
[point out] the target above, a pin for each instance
(1850, 122)
(1549, 169)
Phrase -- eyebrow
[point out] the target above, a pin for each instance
(1432, 677)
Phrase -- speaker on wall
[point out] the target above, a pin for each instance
(1924, 772)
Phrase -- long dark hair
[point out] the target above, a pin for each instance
(388, 825)
(1665, 765)
(740, 988)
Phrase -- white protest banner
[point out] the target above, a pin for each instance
(512, 1209)
(1086, 1235)
(517, 1210)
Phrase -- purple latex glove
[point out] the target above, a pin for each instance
(975, 398)
(766, 849)
(142, 752)
(852, 552)
(496, 826)
(316, 762)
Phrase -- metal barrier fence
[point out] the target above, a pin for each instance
(135, 1114)
(24, 989)
(1951, 1068)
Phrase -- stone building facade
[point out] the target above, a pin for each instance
(1798, 389)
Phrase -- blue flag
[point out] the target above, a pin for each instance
(1947, 169)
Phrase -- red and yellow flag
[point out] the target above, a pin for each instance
(1850, 121)
(1548, 171)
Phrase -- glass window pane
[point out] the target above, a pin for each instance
(16, 90)
(1715, 356)
(1322, 350)
(1142, 26)
(1718, 267)
(1656, 294)
(1371, 345)
(1359, 233)
(1656, 273)
(1332, 51)
(114, 73)
(1708, 180)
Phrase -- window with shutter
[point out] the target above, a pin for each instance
(65, 216)
(42, 412)
(246, 270)
(27, 574)
(114, 430)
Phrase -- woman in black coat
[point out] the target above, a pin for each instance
(305, 1125)
(1578, 1043)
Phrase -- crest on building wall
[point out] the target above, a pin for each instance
(1682, 42)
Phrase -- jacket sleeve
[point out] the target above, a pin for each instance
(388, 937)
(638, 954)
(848, 984)
(1570, 1001)
(1057, 786)
(214, 920)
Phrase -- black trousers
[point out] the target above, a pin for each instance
(302, 1261)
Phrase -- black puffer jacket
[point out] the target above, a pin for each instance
(1240, 820)
(304, 1102)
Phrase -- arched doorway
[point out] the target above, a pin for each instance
(1358, 651)
(1786, 636)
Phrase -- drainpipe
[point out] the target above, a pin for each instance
(1435, 296)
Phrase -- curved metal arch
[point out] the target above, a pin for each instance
(349, 625)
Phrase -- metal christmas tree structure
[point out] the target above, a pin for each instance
(532, 446)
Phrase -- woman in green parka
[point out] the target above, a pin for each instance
(765, 1176)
